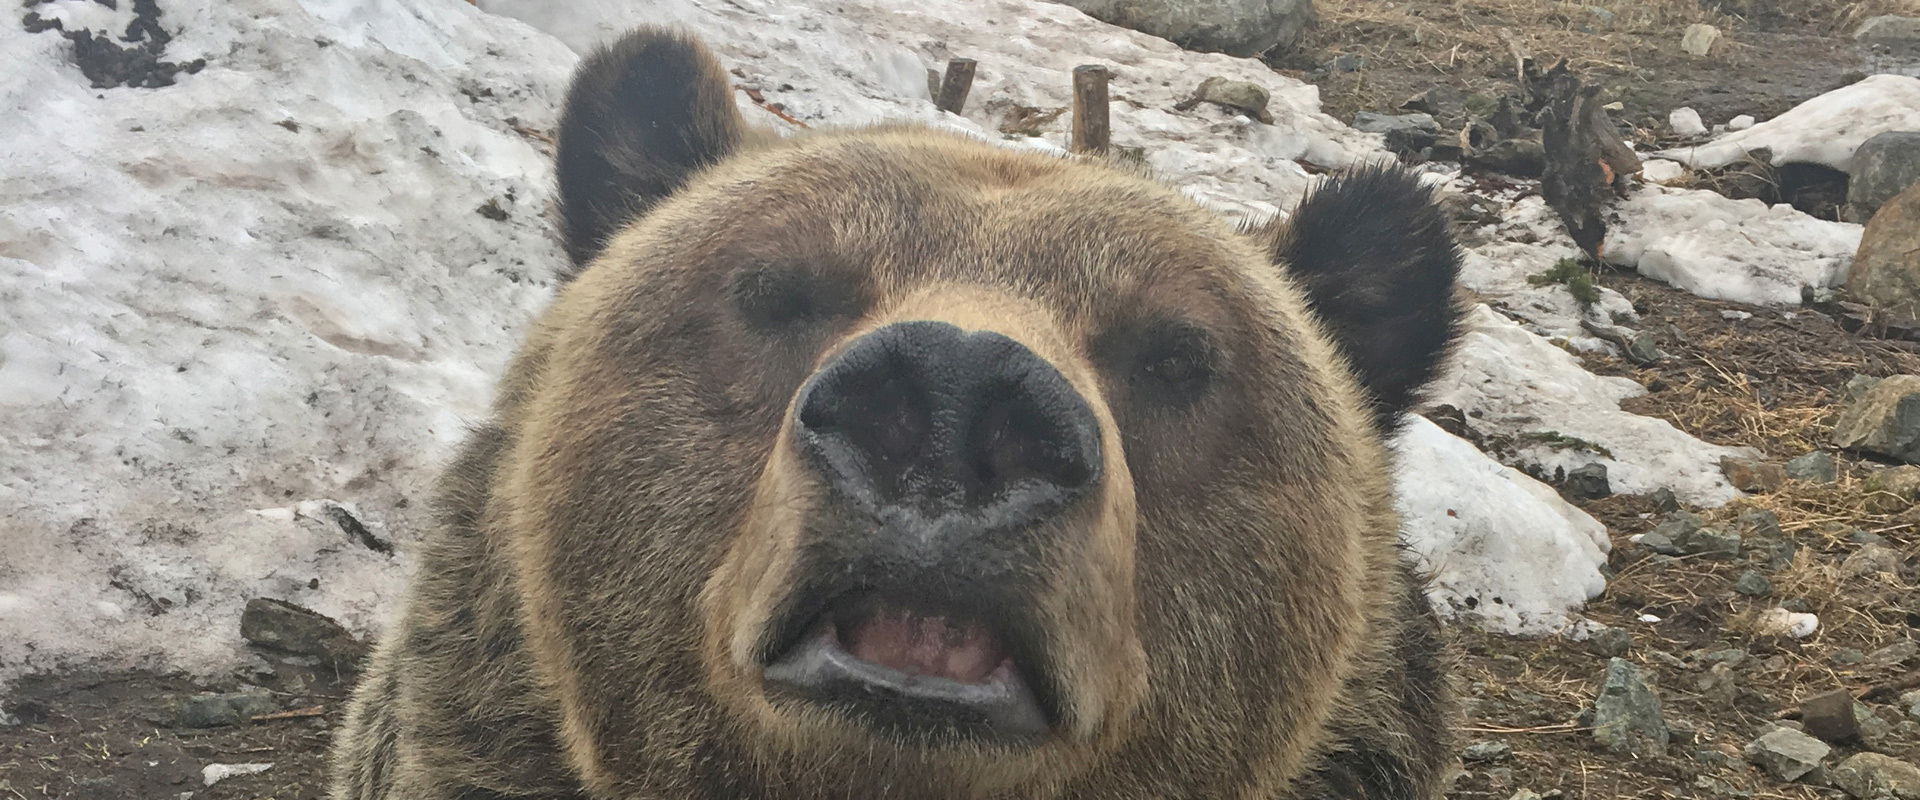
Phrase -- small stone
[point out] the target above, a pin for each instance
(1658, 542)
(1873, 730)
(220, 710)
(1665, 501)
(1893, 489)
(1610, 642)
(1718, 684)
(288, 628)
(1889, 28)
(215, 773)
(1753, 584)
(1885, 420)
(1815, 467)
(1588, 482)
(1753, 475)
(1715, 544)
(1741, 123)
(1787, 754)
(1370, 122)
(1346, 63)
(1863, 538)
(1872, 559)
(1686, 122)
(1895, 654)
(1525, 794)
(1782, 622)
(1735, 315)
(1520, 158)
(1244, 96)
(1660, 170)
(1872, 776)
(1830, 716)
(1797, 605)
(1732, 657)
(1681, 733)
(1626, 715)
(1699, 39)
(1848, 656)
(1486, 751)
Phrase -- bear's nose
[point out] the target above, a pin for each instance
(929, 417)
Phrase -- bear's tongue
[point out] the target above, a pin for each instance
(920, 644)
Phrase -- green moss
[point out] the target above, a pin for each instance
(1578, 280)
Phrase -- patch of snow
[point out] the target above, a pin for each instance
(265, 285)
(1660, 170)
(1823, 130)
(1501, 547)
(1513, 383)
(1726, 249)
(859, 61)
(1686, 122)
(1528, 240)
(215, 773)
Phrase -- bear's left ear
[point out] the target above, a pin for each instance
(642, 116)
(1378, 265)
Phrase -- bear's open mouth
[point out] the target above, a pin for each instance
(911, 667)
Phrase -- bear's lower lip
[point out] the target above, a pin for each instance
(900, 670)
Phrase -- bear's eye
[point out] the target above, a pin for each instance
(1178, 358)
(775, 298)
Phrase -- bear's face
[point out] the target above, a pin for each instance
(895, 453)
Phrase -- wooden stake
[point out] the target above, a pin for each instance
(1090, 131)
(954, 87)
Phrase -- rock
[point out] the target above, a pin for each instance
(1753, 475)
(1753, 584)
(1346, 63)
(1610, 642)
(1241, 28)
(1886, 267)
(220, 710)
(1895, 654)
(1787, 754)
(1520, 158)
(1665, 501)
(1889, 28)
(1782, 622)
(1370, 122)
(215, 773)
(1883, 167)
(1626, 715)
(1829, 715)
(1893, 489)
(1873, 730)
(1758, 523)
(1246, 97)
(1660, 170)
(1686, 122)
(1815, 467)
(1438, 101)
(1588, 482)
(1715, 544)
(1848, 656)
(1718, 684)
(1700, 39)
(1525, 794)
(1486, 751)
(1871, 559)
(1741, 123)
(1872, 776)
(1857, 387)
(1863, 537)
(288, 628)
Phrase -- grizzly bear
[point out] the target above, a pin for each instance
(889, 463)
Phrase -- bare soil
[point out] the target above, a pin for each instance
(1771, 381)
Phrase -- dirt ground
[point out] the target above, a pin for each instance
(1770, 381)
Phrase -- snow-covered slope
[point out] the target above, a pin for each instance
(1723, 249)
(268, 284)
(1824, 130)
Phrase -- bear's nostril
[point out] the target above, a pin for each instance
(1015, 439)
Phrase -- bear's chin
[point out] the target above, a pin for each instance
(913, 673)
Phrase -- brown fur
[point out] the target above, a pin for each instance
(1229, 613)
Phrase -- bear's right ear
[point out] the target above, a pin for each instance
(642, 116)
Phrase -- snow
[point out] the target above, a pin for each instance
(249, 315)
(215, 773)
(1686, 122)
(1660, 170)
(264, 286)
(1500, 546)
(1725, 249)
(1510, 382)
(853, 62)
(1823, 130)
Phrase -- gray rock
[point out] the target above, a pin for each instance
(1889, 28)
(1700, 39)
(1886, 419)
(1236, 27)
(1610, 642)
(1246, 97)
(1370, 122)
(1872, 559)
(1346, 63)
(1886, 268)
(1752, 474)
(220, 710)
(1718, 684)
(1714, 543)
(1485, 751)
(1893, 490)
(1665, 501)
(1872, 776)
(1815, 467)
(1588, 482)
(1732, 657)
(1626, 715)
(1883, 167)
(1863, 537)
(1520, 158)
(1848, 656)
(1895, 654)
(1830, 716)
(1753, 584)
(1660, 542)
(1857, 387)
(1787, 754)
(288, 628)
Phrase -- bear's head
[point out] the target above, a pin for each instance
(890, 461)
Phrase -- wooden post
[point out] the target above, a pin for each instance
(1090, 131)
(954, 87)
